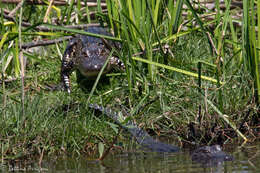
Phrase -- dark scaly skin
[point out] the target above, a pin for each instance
(141, 136)
(207, 155)
(210, 152)
(87, 55)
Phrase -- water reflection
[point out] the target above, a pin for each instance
(245, 160)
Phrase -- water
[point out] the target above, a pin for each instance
(247, 159)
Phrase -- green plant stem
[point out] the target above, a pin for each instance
(224, 117)
(21, 57)
(98, 77)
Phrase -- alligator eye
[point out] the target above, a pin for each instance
(100, 44)
(204, 151)
(84, 54)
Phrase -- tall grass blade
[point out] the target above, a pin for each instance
(199, 88)
(111, 13)
(21, 57)
(131, 14)
(249, 45)
(16, 61)
(3, 39)
(130, 70)
(98, 77)
(235, 45)
(153, 18)
(87, 13)
(151, 68)
(99, 9)
(175, 16)
(81, 32)
(218, 15)
(254, 55)
(188, 73)
(69, 11)
(257, 58)
(229, 122)
(156, 12)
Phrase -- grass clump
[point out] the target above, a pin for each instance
(50, 125)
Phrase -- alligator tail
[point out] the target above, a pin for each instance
(106, 111)
(141, 136)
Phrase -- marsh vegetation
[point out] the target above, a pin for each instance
(192, 74)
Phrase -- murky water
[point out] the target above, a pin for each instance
(247, 159)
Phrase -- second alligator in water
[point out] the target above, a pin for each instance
(206, 154)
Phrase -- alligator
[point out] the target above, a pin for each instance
(87, 55)
(212, 155)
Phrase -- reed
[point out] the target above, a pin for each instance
(249, 45)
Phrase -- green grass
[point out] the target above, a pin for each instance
(35, 120)
(52, 123)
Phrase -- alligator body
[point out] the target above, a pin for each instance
(141, 136)
(212, 155)
(87, 55)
